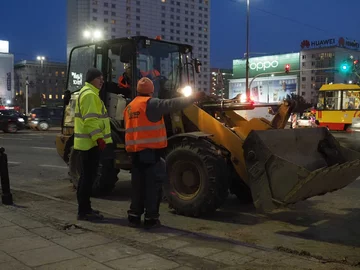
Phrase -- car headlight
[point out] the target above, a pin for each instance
(187, 91)
(20, 120)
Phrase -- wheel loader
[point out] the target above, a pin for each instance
(211, 149)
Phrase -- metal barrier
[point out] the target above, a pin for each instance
(6, 195)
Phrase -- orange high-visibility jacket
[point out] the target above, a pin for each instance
(140, 132)
(122, 82)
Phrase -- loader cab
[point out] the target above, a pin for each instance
(123, 62)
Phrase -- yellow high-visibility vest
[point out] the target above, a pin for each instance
(91, 119)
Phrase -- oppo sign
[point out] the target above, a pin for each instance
(264, 65)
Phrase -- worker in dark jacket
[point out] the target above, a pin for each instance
(145, 139)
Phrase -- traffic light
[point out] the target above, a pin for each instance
(345, 67)
(356, 65)
(287, 68)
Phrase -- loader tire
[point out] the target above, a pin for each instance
(105, 180)
(197, 179)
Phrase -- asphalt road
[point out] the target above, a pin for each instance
(326, 226)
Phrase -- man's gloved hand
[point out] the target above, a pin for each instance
(101, 143)
(200, 95)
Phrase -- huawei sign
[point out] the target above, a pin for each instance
(305, 43)
(341, 42)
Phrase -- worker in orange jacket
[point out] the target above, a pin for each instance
(146, 140)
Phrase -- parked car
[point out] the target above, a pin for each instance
(42, 118)
(15, 113)
(11, 122)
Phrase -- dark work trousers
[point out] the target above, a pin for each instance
(89, 162)
(147, 176)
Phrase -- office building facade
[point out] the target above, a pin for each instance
(321, 63)
(181, 21)
(46, 82)
(268, 80)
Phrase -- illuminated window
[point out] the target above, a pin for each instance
(62, 96)
(57, 96)
(50, 96)
(56, 73)
(113, 21)
(164, 1)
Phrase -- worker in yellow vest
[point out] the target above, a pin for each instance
(91, 135)
(145, 140)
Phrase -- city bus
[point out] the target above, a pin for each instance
(337, 105)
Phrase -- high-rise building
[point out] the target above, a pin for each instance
(181, 21)
(220, 82)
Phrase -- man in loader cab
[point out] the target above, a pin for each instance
(91, 133)
(124, 80)
(146, 139)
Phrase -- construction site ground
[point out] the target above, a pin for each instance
(319, 233)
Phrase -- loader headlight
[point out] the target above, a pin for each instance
(243, 98)
(187, 91)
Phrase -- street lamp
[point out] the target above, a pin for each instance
(41, 59)
(92, 34)
(247, 48)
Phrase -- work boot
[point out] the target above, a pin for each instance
(134, 221)
(91, 216)
(152, 223)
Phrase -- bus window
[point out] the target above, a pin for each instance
(321, 101)
(351, 100)
(332, 100)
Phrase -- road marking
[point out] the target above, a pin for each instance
(44, 148)
(14, 162)
(14, 138)
(53, 166)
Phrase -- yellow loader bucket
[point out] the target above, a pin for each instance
(289, 165)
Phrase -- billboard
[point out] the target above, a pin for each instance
(269, 89)
(6, 78)
(266, 64)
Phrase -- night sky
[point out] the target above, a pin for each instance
(38, 27)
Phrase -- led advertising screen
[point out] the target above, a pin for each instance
(265, 90)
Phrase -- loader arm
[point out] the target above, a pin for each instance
(232, 129)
